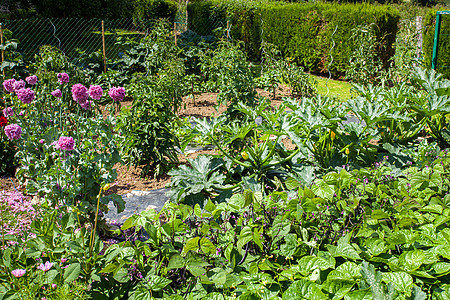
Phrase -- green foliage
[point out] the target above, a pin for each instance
(226, 69)
(302, 31)
(154, 9)
(146, 135)
(276, 70)
(364, 65)
(305, 32)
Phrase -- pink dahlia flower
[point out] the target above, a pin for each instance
(8, 112)
(13, 131)
(96, 92)
(65, 143)
(86, 105)
(117, 93)
(9, 85)
(63, 78)
(32, 80)
(25, 95)
(57, 93)
(18, 272)
(79, 93)
(19, 84)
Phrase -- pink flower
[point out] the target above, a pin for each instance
(79, 93)
(45, 267)
(117, 93)
(41, 141)
(86, 105)
(22, 112)
(18, 272)
(63, 78)
(96, 92)
(57, 93)
(25, 95)
(63, 260)
(19, 84)
(9, 85)
(31, 79)
(54, 285)
(13, 131)
(65, 143)
(8, 112)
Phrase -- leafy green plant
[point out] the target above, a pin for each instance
(228, 69)
(147, 137)
(364, 64)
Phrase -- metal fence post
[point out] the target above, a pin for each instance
(104, 48)
(436, 41)
(3, 51)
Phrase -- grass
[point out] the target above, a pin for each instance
(336, 88)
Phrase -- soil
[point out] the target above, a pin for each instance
(129, 178)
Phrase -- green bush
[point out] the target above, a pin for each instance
(305, 32)
(302, 31)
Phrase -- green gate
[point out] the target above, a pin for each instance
(439, 43)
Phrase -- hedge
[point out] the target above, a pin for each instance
(443, 63)
(302, 31)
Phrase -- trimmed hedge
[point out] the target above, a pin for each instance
(443, 63)
(301, 30)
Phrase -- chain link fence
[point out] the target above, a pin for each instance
(80, 37)
(74, 37)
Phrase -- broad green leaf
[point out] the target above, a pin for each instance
(338, 289)
(304, 289)
(210, 206)
(323, 190)
(292, 183)
(191, 245)
(441, 268)
(237, 201)
(72, 272)
(213, 296)
(289, 248)
(373, 279)
(112, 267)
(157, 283)
(360, 295)
(217, 276)
(344, 249)
(418, 294)
(412, 260)
(309, 263)
(207, 246)
(245, 236)
(176, 262)
(402, 281)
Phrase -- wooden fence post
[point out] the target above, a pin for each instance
(104, 49)
(175, 32)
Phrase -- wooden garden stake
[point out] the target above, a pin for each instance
(3, 51)
(228, 29)
(104, 50)
(175, 32)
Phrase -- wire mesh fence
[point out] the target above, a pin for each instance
(77, 38)
(74, 37)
